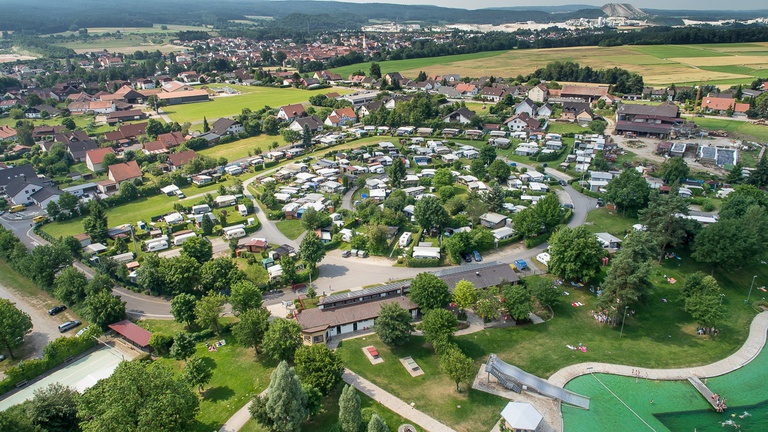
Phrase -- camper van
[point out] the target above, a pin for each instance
(178, 241)
(123, 258)
(405, 239)
(234, 233)
(157, 245)
(242, 209)
(200, 209)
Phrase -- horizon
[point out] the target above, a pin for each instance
(690, 5)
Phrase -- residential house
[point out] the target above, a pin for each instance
(493, 220)
(127, 133)
(392, 77)
(7, 133)
(462, 115)
(125, 171)
(21, 189)
(571, 110)
(314, 124)
(544, 111)
(291, 112)
(78, 144)
(177, 160)
(493, 94)
(522, 122)
(538, 93)
(721, 105)
(467, 90)
(226, 126)
(37, 111)
(527, 106)
(586, 93)
(94, 158)
(122, 116)
(341, 117)
(9, 174)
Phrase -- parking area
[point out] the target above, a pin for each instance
(80, 374)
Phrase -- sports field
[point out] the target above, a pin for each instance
(254, 98)
(658, 64)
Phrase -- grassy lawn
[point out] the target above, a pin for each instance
(242, 148)
(327, 419)
(237, 376)
(291, 228)
(256, 98)
(738, 129)
(400, 65)
(604, 220)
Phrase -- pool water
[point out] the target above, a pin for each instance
(676, 406)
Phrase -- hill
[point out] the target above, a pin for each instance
(625, 10)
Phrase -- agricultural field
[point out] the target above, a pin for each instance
(254, 98)
(659, 64)
(736, 129)
(126, 44)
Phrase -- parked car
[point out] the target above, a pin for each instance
(477, 256)
(600, 202)
(563, 183)
(346, 254)
(56, 309)
(68, 325)
(567, 205)
(521, 264)
(81, 331)
(362, 254)
(465, 256)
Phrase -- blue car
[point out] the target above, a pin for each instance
(477, 256)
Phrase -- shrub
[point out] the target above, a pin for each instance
(535, 241)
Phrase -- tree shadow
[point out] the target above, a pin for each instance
(210, 362)
(215, 394)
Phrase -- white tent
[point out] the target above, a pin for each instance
(521, 416)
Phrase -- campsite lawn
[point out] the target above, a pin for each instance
(604, 220)
(255, 99)
(242, 148)
(291, 228)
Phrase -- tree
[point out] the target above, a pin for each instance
(183, 346)
(464, 294)
(311, 250)
(198, 248)
(103, 309)
(313, 219)
(206, 127)
(306, 136)
(430, 213)
(284, 408)
(245, 295)
(528, 222)
(271, 126)
(209, 309)
(109, 160)
(197, 373)
(68, 202)
(499, 170)
(393, 326)
(662, 219)
(16, 420)
(54, 408)
(206, 225)
(350, 415)
(290, 273)
(375, 70)
(543, 291)
(397, 172)
(457, 366)
(183, 308)
(517, 301)
(628, 279)
(53, 209)
(438, 325)
(759, 177)
(674, 170)
(736, 174)
(69, 286)
(442, 177)
(488, 154)
(220, 274)
(458, 243)
(282, 339)
(549, 211)
(495, 198)
(101, 283)
(702, 299)
(68, 123)
(319, 367)
(252, 327)
(429, 292)
(629, 192)
(477, 168)
(96, 222)
(377, 424)
(138, 396)
(575, 254)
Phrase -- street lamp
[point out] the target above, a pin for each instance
(622, 321)
(750, 289)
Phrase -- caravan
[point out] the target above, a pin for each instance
(179, 240)
(234, 232)
(157, 245)
(405, 239)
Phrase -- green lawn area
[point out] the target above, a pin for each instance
(739, 129)
(326, 420)
(255, 99)
(241, 148)
(604, 220)
(399, 65)
(291, 228)
(237, 376)
(567, 127)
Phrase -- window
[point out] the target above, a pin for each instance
(318, 339)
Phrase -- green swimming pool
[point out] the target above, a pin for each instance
(624, 403)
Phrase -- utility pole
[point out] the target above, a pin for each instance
(621, 333)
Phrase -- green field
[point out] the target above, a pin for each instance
(291, 228)
(255, 99)
(737, 129)
(658, 64)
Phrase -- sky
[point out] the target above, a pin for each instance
(652, 4)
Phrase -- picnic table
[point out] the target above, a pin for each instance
(372, 351)
(411, 364)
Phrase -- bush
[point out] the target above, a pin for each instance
(202, 335)
(275, 215)
(423, 262)
(161, 343)
(535, 241)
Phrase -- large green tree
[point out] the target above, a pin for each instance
(575, 254)
(457, 366)
(488, 154)
(702, 298)
(319, 367)
(747, 237)
(430, 213)
(183, 346)
(377, 424)
(282, 339)
(14, 324)
(393, 325)
(549, 211)
(198, 248)
(397, 172)
(54, 408)
(429, 291)
(311, 250)
(528, 222)
(517, 301)
(149, 275)
(628, 279)
(494, 198)
(69, 286)
(180, 273)
(252, 327)
(95, 224)
(674, 170)
(183, 308)
(245, 295)
(220, 274)
(464, 294)
(198, 373)
(663, 219)
(443, 177)
(629, 192)
(438, 325)
(141, 397)
(350, 414)
(208, 310)
(284, 408)
(499, 170)
(103, 309)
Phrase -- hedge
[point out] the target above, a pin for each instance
(423, 262)
(54, 354)
(535, 241)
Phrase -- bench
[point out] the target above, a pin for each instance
(372, 351)
(21, 384)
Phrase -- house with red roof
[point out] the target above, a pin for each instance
(721, 105)
(94, 158)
